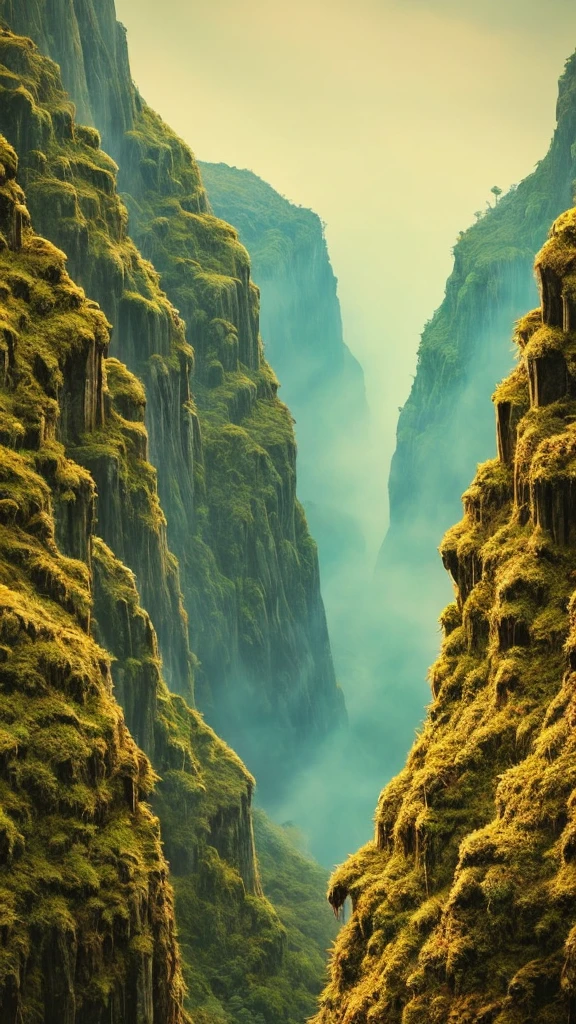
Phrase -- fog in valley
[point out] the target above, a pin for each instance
(395, 154)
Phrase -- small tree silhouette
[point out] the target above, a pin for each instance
(496, 192)
(479, 214)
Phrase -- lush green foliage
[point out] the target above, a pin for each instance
(272, 228)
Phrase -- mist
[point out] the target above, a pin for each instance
(381, 119)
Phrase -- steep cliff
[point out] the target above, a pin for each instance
(464, 347)
(464, 906)
(245, 959)
(301, 322)
(227, 476)
(87, 921)
(232, 938)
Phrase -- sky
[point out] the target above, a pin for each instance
(391, 118)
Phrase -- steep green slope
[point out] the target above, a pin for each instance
(87, 919)
(301, 325)
(464, 906)
(227, 479)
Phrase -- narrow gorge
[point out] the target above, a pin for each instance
(168, 691)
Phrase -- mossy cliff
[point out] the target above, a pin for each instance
(70, 186)
(464, 905)
(245, 959)
(87, 922)
(227, 471)
(301, 323)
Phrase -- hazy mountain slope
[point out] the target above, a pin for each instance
(446, 425)
(301, 325)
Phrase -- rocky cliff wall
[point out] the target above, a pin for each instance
(88, 930)
(227, 475)
(301, 324)
(464, 905)
(231, 936)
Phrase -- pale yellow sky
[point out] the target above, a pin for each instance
(391, 119)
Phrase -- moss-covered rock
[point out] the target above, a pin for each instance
(87, 919)
(88, 927)
(464, 906)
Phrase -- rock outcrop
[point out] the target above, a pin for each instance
(464, 905)
(101, 491)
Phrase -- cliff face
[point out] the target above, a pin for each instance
(248, 568)
(464, 906)
(232, 938)
(88, 929)
(302, 328)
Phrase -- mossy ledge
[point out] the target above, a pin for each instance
(464, 905)
(87, 920)
(226, 459)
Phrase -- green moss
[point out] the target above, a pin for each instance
(80, 854)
